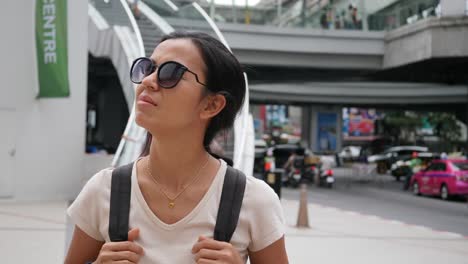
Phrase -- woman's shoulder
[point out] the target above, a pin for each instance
(96, 191)
(258, 193)
(257, 184)
(101, 179)
(99, 184)
(89, 209)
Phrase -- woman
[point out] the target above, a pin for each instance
(190, 89)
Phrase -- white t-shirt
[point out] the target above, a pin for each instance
(261, 220)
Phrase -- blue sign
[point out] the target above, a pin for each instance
(326, 131)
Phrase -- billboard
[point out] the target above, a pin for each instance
(359, 122)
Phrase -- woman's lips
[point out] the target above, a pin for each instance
(146, 99)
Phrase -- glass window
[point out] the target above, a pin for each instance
(460, 166)
(405, 152)
(432, 167)
(442, 167)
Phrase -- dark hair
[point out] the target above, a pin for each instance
(224, 75)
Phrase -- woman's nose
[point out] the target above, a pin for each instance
(150, 81)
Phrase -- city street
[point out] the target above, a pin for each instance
(383, 197)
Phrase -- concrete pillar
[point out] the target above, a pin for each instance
(339, 129)
(453, 7)
(313, 128)
(306, 130)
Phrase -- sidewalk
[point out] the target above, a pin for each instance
(338, 236)
(32, 232)
(36, 233)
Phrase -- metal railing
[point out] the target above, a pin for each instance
(325, 14)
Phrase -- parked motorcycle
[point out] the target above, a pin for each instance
(322, 178)
(296, 171)
(303, 170)
(294, 177)
(326, 178)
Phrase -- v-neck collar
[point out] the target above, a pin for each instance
(144, 205)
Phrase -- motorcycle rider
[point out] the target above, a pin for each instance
(413, 167)
(295, 162)
(290, 162)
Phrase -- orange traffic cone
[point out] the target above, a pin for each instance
(303, 215)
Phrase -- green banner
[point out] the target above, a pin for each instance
(51, 45)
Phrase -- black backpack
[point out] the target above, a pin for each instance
(228, 211)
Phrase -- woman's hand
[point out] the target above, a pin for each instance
(121, 252)
(208, 250)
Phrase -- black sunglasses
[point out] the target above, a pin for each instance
(168, 75)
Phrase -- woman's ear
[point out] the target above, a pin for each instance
(213, 105)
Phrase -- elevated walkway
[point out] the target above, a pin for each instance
(361, 93)
(296, 47)
(433, 38)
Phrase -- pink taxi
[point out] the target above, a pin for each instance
(442, 177)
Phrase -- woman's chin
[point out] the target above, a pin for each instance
(141, 120)
(148, 122)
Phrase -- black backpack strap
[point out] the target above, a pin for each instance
(120, 202)
(230, 204)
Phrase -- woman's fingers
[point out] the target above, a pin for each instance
(206, 261)
(126, 255)
(124, 262)
(207, 250)
(133, 234)
(208, 243)
(120, 252)
(123, 246)
(208, 254)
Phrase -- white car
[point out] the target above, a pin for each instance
(350, 152)
(392, 154)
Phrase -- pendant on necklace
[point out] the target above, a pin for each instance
(171, 205)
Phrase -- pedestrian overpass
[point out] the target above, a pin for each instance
(295, 47)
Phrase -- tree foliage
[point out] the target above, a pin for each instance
(399, 125)
(403, 123)
(445, 126)
(404, 120)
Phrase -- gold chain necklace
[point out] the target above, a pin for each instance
(172, 200)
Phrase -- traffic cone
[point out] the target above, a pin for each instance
(303, 215)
